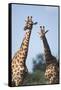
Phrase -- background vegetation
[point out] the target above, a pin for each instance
(37, 75)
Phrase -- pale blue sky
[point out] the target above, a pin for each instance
(44, 15)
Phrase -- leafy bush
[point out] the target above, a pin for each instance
(37, 76)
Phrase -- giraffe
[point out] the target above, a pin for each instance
(52, 66)
(18, 62)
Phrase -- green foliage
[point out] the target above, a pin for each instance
(39, 63)
(37, 76)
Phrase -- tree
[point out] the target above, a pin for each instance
(37, 76)
(39, 62)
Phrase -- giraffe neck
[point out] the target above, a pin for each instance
(47, 50)
(26, 39)
(25, 44)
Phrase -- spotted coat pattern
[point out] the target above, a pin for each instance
(18, 62)
(52, 66)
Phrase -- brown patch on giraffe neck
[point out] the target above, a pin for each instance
(48, 56)
(25, 42)
(24, 48)
(46, 47)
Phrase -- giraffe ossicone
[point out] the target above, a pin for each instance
(42, 31)
(29, 23)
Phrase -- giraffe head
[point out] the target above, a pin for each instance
(42, 31)
(29, 23)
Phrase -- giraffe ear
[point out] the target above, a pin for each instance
(46, 31)
(35, 23)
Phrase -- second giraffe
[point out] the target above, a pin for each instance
(52, 67)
